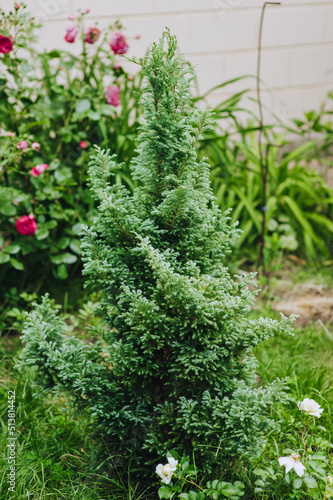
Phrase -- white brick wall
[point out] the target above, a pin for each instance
(221, 37)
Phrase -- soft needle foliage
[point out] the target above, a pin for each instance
(174, 368)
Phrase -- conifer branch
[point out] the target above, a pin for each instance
(194, 143)
(124, 231)
(176, 212)
(104, 172)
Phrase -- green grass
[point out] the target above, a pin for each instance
(56, 455)
(58, 459)
(305, 360)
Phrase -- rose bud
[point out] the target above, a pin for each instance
(92, 35)
(23, 145)
(71, 34)
(118, 43)
(38, 169)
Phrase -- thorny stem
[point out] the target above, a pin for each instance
(84, 48)
(66, 123)
(262, 158)
(5, 173)
(96, 58)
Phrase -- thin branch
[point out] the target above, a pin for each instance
(175, 214)
(123, 230)
(263, 159)
(195, 142)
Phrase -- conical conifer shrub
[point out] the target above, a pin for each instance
(174, 367)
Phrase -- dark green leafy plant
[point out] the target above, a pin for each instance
(174, 367)
(53, 107)
(299, 202)
(180, 483)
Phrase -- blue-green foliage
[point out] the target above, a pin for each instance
(174, 368)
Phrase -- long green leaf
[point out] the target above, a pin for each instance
(321, 220)
(303, 188)
(225, 84)
(309, 236)
(254, 216)
(297, 154)
(246, 231)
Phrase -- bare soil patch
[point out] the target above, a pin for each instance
(311, 302)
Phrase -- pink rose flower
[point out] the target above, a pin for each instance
(112, 95)
(117, 66)
(6, 44)
(17, 6)
(86, 11)
(38, 169)
(35, 146)
(71, 17)
(26, 225)
(118, 43)
(23, 145)
(92, 35)
(11, 134)
(83, 144)
(138, 37)
(71, 34)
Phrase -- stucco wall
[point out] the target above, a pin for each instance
(221, 37)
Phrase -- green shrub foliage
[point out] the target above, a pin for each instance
(56, 103)
(174, 368)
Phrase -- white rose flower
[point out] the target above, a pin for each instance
(166, 471)
(292, 462)
(311, 407)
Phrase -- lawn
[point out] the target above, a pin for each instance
(60, 457)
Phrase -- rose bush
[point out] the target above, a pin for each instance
(53, 107)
